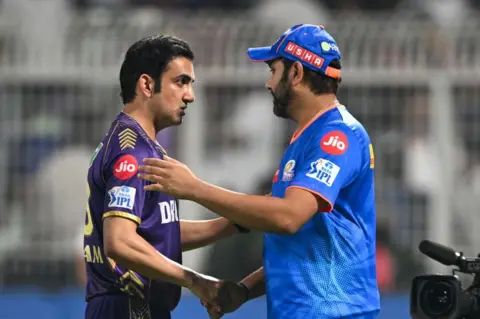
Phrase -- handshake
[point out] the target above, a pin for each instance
(218, 296)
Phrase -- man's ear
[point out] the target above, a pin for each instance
(296, 73)
(146, 85)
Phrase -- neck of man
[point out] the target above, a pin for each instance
(144, 118)
(308, 106)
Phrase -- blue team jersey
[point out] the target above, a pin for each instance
(327, 269)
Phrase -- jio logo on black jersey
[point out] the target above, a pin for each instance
(125, 167)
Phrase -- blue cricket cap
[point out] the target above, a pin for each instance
(308, 44)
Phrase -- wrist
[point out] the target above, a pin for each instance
(197, 190)
(246, 289)
(190, 279)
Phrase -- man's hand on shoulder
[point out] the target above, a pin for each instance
(169, 176)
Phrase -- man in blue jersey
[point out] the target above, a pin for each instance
(319, 223)
(133, 240)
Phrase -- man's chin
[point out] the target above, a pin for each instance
(174, 122)
(280, 112)
(177, 121)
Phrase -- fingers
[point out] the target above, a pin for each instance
(171, 160)
(154, 170)
(214, 311)
(150, 177)
(152, 174)
(155, 188)
(215, 315)
(149, 169)
(213, 308)
(156, 162)
(208, 305)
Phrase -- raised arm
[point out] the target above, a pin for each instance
(196, 234)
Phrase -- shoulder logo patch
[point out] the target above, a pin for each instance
(288, 171)
(125, 167)
(334, 143)
(127, 139)
(324, 171)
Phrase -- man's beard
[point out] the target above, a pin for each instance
(282, 98)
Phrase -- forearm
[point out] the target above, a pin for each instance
(255, 282)
(267, 214)
(138, 255)
(196, 234)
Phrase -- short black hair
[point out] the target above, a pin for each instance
(318, 82)
(150, 56)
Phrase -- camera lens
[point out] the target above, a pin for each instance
(437, 298)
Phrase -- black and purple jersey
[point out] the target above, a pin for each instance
(115, 190)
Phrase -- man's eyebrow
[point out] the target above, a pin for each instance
(186, 77)
(270, 63)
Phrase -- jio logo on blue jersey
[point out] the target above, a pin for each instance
(122, 197)
(323, 171)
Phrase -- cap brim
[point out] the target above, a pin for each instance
(261, 54)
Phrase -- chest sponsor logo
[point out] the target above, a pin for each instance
(125, 167)
(334, 143)
(122, 197)
(168, 211)
(323, 171)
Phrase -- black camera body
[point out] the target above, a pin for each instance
(442, 296)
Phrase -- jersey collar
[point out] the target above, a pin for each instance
(299, 132)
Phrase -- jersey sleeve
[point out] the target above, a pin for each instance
(331, 160)
(125, 196)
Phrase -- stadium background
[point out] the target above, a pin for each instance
(411, 75)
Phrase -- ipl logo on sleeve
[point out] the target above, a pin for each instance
(122, 197)
(323, 171)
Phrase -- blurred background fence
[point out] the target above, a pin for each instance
(411, 75)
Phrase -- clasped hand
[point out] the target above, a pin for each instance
(219, 296)
(231, 296)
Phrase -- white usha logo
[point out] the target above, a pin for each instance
(125, 167)
(333, 141)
